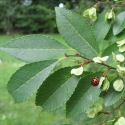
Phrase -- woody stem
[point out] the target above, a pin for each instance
(78, 55)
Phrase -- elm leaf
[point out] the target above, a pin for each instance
(25, 81)
(32, 48)
(119, 23)
(101, 27)
(84, 96)
(56, 89)
(76, 32)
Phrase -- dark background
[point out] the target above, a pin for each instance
(36, 16)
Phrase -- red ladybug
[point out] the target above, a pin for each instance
(95, 81)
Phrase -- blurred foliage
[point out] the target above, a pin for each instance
(36, 16)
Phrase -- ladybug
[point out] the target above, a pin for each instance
(95, 81)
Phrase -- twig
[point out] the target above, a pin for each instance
(78, 55)
(111, 3)
(111, 113)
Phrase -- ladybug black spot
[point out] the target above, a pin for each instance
(95, 81)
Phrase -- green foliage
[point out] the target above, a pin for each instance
(111, 48)
(76, 37)
(101, 27)
(112, 96)
(24, 79)
(58, 84)
(119, 23)
(16, 114)
(114, 38)
(83, 97)
(34, 16)
(35, 47)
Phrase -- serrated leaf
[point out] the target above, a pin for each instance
(32, 48)
(112, 38)
(112, 96)
(56, 89)
(25, 81)
(84, 96)
(119, 23)
(110, 49)
(101, 27)
(76, 32)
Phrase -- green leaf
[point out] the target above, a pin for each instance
(101, 27)
(119, 23)
(112, 39)
(25, 81)
(84, 96)
(34, 48)
(76, 32)
(110, 49)
(56, 89)
(112, 96)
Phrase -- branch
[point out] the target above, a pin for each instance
(110, 3)
(111, 113)
(78, 55)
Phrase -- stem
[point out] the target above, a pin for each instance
(112, 4)
(78, 55)
(117, 108)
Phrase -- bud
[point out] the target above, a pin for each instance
(118, 57)
(91, 13)
(118, 85)
(100, 60)
(110, 15)
(105, 85)
(77, 71)
(120, 69)
(121, 121)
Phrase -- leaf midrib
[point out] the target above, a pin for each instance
(120, 25)
(79, 34)
(56, 91)
(29, 80)
(79, 100)
(35, 49)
